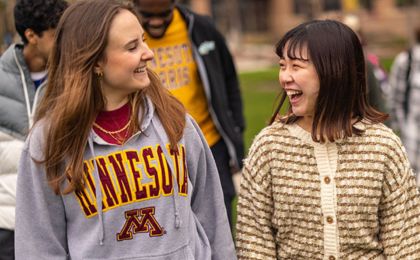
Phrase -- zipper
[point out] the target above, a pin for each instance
(205, 81)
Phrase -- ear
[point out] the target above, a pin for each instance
(31, 36)
(98, 68)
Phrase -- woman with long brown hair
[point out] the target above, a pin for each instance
(327, 179)
(114, 168)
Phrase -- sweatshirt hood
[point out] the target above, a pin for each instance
(8, 59)
(12, 61)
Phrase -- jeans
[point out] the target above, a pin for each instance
(7, 248)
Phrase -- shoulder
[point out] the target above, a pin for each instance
(277, 134)
(376, 136)
(198, 18)
(191, 126)
(8, 60)
(397, 170)
(272, 138)
(382, 136)
(193, 137)
(270, 132)
(203, 25)
(9, 71)
(35, 142)
(389, 149)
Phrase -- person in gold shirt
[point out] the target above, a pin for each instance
(194, 63)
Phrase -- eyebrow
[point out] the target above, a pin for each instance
(132, 41)
(295, 58)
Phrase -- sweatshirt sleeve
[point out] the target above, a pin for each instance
(255, 234)
(40, 218)
(399, 210)
(207, 198)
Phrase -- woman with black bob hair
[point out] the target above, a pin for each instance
(326, 179)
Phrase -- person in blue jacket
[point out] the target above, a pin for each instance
(22, 79)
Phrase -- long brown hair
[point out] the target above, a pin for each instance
(337, 55)
(73, 95)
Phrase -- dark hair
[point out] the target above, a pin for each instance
(38, 15)
(73, 95)
(337, 54)
(136, 2)
(417, 34)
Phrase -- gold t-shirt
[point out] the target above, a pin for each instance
(175, 65)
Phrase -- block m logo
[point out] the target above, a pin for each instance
(140, 221)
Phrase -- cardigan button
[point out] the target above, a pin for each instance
(330, 220)
(327, 180)
(331, 257)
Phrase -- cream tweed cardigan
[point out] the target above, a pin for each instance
(355, 198)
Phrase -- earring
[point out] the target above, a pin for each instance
(100, 74)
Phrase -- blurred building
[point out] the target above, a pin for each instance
(386, 24)
(7, 27)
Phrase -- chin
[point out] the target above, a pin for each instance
(144, 84)
(297, 112)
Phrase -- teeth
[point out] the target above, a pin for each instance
(293, 92)
(139, 70)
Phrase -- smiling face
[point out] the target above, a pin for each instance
(125, 58)
(156, 15)
(300, 81)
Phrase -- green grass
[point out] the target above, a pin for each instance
(386, 63)
(259, 91)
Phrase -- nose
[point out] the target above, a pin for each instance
(147, 54)
(285, 76)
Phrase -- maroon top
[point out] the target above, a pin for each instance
(113, 121)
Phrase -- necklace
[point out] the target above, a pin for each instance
(112, 132)
(120, 139)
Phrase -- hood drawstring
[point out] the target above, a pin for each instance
(25, 90)
(98, 192)
(176, 187)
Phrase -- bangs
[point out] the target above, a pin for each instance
(295, 42)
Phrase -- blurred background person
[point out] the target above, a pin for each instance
(194, 63)
(22, 75)
(377, 78)
(405, 87)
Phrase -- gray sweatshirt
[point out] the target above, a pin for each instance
(153, 204)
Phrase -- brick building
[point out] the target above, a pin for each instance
(387, 24)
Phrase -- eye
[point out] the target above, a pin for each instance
(132, 47)
(282, 66)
